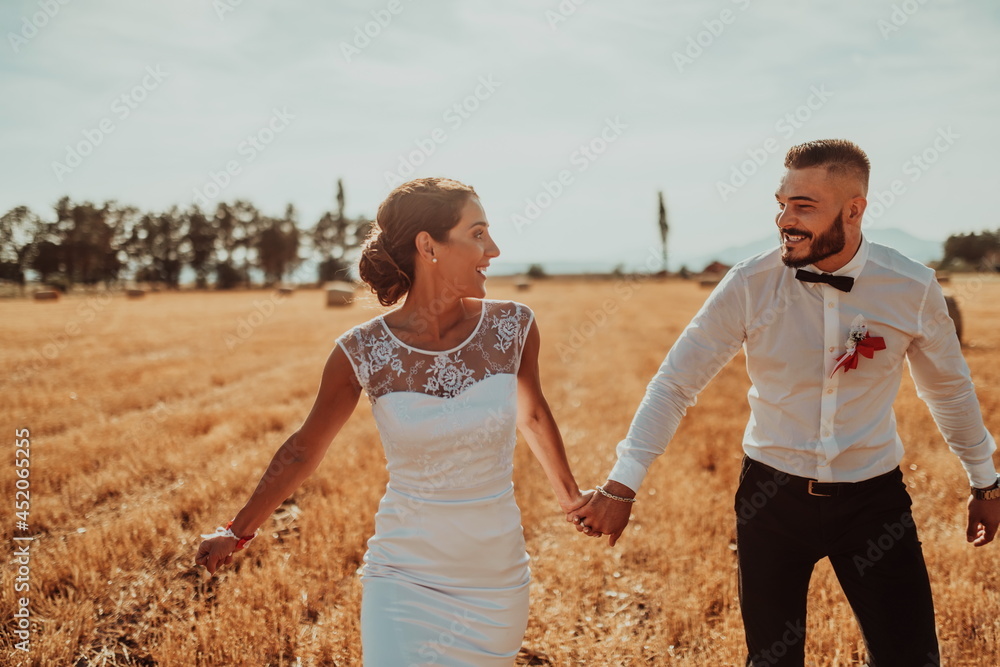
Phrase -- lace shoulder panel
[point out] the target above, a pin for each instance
(508, 324)
(369, 348)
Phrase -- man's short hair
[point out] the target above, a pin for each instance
(839, 156)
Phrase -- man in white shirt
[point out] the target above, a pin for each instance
(826, 321)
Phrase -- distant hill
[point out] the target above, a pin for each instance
(916, 248)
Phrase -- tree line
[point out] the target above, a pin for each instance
(88, 244)
(973, 250)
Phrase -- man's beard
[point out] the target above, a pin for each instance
(821, 246)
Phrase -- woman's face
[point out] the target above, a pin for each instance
(465, 256)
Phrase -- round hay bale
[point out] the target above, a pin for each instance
(339, 293)
(522, 285)
(955, 314)
(46, 295)
(943, 277)
(135, 293)
(709, 282)
(286, 291)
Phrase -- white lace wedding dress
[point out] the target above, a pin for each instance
(445, 577)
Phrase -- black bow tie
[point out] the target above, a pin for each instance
(843, 283)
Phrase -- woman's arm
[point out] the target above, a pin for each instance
(295, 460)
(535, 421)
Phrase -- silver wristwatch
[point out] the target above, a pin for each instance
(989, 493)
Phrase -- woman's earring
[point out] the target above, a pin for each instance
(434, 260)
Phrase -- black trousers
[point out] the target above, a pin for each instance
(867, 532)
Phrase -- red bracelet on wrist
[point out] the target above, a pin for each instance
(241, 541)
(228, 532)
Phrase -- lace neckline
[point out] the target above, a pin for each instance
(479, 324)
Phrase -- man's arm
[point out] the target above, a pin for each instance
(943, 382)
(707, 344)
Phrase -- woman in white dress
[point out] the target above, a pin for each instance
(450, 376)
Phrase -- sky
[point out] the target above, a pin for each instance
(567, 117)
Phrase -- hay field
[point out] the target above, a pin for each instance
(151, 420)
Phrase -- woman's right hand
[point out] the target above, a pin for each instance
(215, 552)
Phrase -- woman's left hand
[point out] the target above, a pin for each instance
(581, 499)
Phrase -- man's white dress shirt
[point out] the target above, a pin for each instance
(803, 421)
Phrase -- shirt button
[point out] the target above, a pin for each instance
(829, 305)
(826, 434)
(829, 391)
(831, 349)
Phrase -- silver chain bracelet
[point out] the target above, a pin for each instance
(614, 497)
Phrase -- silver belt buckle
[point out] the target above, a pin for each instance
(809, 488)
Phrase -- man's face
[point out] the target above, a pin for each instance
(810, 219)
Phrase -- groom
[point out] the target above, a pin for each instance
(826, 322)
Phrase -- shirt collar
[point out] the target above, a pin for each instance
(853, 268)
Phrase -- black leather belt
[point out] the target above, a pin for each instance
(826, 489)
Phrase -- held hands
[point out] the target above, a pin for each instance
(575, 503)
(603, 515)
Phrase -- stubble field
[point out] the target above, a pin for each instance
(151, 420)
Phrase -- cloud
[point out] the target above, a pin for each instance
(357, 117)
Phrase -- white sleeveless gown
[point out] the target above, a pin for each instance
(445, 578)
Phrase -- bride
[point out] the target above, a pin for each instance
(450, 375)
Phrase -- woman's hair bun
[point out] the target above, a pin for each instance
(380, 270)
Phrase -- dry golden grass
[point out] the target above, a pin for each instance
(147, 429)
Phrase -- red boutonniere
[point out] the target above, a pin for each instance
(859, 342)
